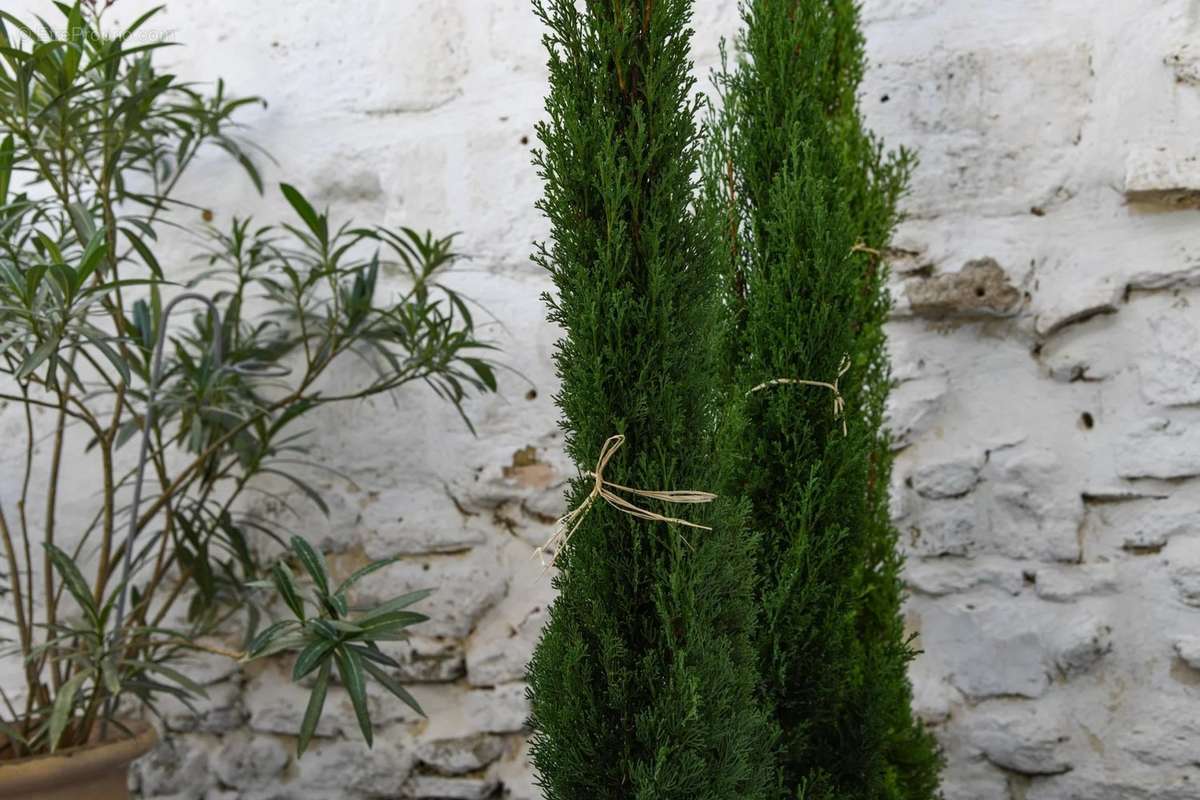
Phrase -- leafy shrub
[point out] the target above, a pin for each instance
(94, 142)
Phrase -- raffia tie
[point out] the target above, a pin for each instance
(839, 402)
(606, 490)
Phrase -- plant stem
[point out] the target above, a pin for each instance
(24, 629)
(48, 535)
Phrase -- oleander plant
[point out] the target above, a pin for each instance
(95, 142)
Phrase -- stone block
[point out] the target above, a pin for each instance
(918, 400)
(335, 767)
(1023, 506)
(503, 709)
(1159, 448)
(1163, 175)
(250, 762)
(179, 766)
(466, 587)
(980, 289)
(986, 650)
(435, 787)
(942, 480)
(1171, 375)
(942, 576)
(1078, 643)
(499, 653)
(416, 520)
(1188, 648)
(460, 755)
(1064, 583)
(1022, 737)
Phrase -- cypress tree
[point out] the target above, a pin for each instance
(807, 200)
(644, 682)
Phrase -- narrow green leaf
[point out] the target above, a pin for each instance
(234, 149)
(350, 667)
(285, 584)
(363, 572)
(73, 580)
(108, 673)
(313, 563)
(140, 21)
(172, 674)
(309, 492)
(293, 641)
(85, 226)
(147, 255)
(76, 36)
(316, 703)
(114, 358)
(485, 373)
(51, 248)
(7, 148)
(312, 656)
(395, 604)
(389, 623)
(393, 686)
(371, 652)
(111, 285)
(64, 704)
(315, 222)
(322, 628)
(35, 359)
(93, 254)
(343, 626)
(338, 601)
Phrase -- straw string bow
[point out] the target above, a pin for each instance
(839, 402)
(606, 490)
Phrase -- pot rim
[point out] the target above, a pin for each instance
(77, 764)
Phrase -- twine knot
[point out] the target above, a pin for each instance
(606, 490)
(839, 402)
(861, 247)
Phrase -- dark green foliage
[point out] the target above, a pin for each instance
(336, 633)
(803, 195)
(643, 685)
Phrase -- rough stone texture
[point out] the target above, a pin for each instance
(1157, 174)
(946, 479)
(979, 289)
(1022, 738)
(1048, 431)
(177, 767)
(467, 587)
(438, 788)
(1018, 502)
(339, 768)
(219, 712)
(1066, 583)
(460, 756)
(1160, 447)
(1188, 648)
(249, 762)
(503, 709)
(1171, 374)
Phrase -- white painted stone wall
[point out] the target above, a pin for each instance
(1045, 341)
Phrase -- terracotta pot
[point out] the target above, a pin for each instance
(95, 771)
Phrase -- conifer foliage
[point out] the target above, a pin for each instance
(644, 682)
(806, 198)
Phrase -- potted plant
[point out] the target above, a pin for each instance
(177, 422)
